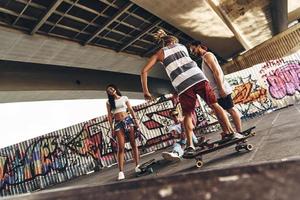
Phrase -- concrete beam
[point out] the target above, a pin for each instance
(46, 15)
(110, 21)
(229, 24)
(30, 77)
(140, 35)
(279, 11)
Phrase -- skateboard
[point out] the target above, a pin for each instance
(207, 147)
(146, 168)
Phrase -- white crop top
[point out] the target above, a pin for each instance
(120, 105)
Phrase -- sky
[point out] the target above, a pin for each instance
(26, 120)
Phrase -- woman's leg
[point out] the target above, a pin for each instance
(121, 148)
(134, 147)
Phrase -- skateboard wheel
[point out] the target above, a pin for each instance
(199, 163)
(249, 147)
(237, 148)
(253, 133)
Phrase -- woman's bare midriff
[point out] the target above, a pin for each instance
(120, 116)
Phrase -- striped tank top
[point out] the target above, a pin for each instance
(181, 69)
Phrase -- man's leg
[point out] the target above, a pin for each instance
(236, 119)
(189, 126)
(188, 102)
(222, 117)
(194, 138)
(228, 105)
(207, 94)
(175, 154)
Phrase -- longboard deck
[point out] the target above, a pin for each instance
(245, 133)
(146, 168)
(220, 144)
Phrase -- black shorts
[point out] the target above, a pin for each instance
(226, 103)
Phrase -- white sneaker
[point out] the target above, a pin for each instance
(237, 136)
(171, 156)
(137, 169)
(121, 176)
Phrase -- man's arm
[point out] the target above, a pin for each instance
(144, 73)
(218, 75)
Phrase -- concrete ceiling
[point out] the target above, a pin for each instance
(62, 35)
(226, 26)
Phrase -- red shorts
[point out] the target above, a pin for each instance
(188, 98)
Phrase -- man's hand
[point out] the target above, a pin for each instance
(148, 96)
(176, 135)
(223, 93)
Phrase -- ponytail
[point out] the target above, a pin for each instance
(163, 38)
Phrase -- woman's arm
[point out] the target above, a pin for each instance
(135, 119)
(109, 116)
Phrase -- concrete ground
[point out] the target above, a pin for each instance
(277, 140)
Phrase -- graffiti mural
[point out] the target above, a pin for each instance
(284, 81)
(76, 150)
(249, 97)
(71, 152)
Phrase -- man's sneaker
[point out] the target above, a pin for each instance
(121, 176)
(171, 156)
(189, 151)
(231, 136)
(137, 169)
(237, 135)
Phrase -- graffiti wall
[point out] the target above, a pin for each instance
(270, 85)
(76, 150)
(263, 87)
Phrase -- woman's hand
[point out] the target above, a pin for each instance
(136, 123)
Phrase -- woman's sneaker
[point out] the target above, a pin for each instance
(121, 176)
(137, 169)
(171, 156)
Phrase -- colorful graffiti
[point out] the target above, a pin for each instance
(48, 155)
(249, 97)
(64, 154)
(244, 93)
(76, 150)
(285, 81)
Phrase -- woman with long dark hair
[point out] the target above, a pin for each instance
(123, 126)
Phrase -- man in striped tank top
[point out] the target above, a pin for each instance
(188, 80)
(213, 71)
